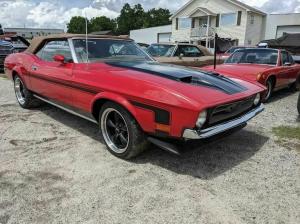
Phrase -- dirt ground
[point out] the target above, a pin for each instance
(53, 169)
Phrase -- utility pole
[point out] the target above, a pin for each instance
(215, 51)
(1, 30)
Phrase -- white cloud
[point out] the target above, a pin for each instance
(13, 13)
(45, 13)
(56, 13)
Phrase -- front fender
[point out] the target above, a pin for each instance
(144, 117)
(115, 98)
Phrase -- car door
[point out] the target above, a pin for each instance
(51, 79)
(295, 69)
(286, 69)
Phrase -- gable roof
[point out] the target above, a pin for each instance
(204, 10)
(235, 2)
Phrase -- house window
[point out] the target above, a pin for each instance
(249, 42)
(228, 19)
(184, 23)
(251, 19)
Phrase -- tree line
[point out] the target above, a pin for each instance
(130, 18)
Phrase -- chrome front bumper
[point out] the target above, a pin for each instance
(211, 131)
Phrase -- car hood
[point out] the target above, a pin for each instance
(243, 71)
(183, 83)
(185, 75)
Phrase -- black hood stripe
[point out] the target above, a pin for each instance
(184, 74)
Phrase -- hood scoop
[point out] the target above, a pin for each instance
(184, 75)
(187, 79)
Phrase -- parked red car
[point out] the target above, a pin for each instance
(112, 82)
(273, 68)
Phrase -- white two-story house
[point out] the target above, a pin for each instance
(198, 21)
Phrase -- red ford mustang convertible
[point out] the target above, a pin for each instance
(112, 82)
(273, 68)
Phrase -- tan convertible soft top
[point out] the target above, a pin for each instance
(37, 41)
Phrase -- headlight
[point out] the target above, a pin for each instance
(201, 119)
(257, 99)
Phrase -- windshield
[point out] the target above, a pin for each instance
(108, 50)
(253, 56)
(159, 50)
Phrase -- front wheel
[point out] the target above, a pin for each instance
(120, 131)
(269, 89)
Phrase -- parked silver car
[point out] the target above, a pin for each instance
(182, 54)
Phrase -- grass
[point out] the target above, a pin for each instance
(286, 134)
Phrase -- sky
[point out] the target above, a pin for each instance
(57, 13)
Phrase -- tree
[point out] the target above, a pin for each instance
(136, 18)
(157, 17)
(130, 18)
(102, 23)
(77, 25)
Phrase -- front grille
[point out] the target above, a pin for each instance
(229, 111)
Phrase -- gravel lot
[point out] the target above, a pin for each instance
(54, 170)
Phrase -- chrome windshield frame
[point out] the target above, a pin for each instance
(74, 56)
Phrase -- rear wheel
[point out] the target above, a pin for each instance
(270, 86)
(23, 95)
(120, 131)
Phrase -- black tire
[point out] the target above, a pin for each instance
(136, 139)
(24, 97)
(296, 85)
(270, 87)
(298, 105)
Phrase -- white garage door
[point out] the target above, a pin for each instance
(287, 29)
(164, 37)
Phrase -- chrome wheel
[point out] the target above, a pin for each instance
(115, 130)
(19, 90)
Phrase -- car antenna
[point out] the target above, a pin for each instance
(86, 39)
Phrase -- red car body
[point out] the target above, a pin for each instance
(282, 75)
(162, 104)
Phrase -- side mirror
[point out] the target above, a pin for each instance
(287, 64)
(59, 58)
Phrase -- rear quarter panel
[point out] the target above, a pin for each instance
(20, 64)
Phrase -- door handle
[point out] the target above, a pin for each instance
(34, 68)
